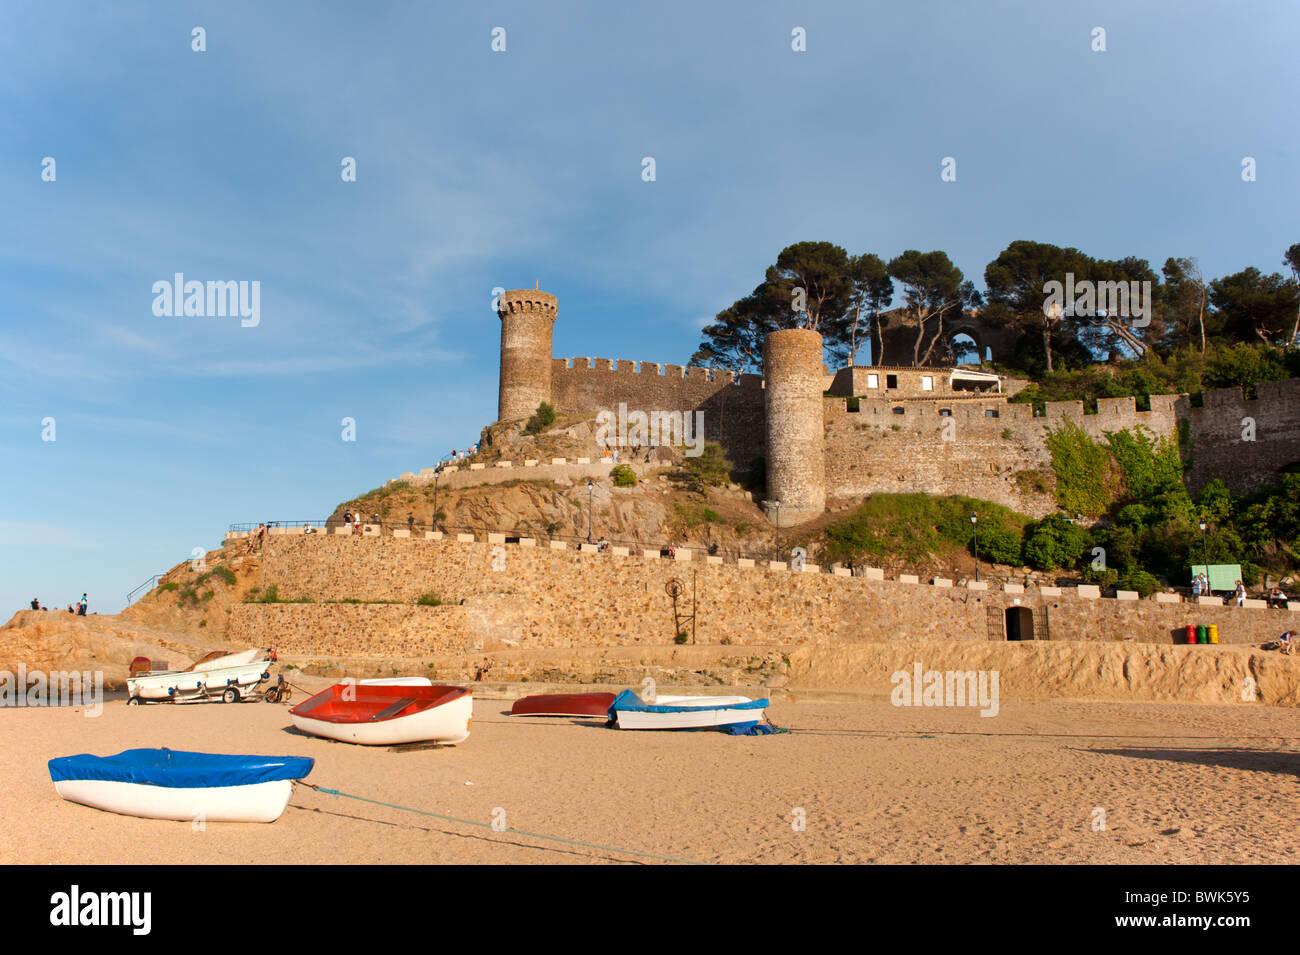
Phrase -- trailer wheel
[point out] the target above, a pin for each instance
(230, 695)
(273, 695)
(133, 701)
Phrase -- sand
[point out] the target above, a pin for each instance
(1178, 783)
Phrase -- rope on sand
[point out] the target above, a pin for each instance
(906, 734)
(517, 832)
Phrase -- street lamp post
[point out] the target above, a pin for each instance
(1205, 556)
(591, 488)
(975, 526)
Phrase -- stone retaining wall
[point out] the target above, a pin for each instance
(505, 596)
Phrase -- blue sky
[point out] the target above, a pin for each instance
(478, 169)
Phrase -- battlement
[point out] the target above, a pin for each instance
(634, 370)
(519, 301)
(1280, 393)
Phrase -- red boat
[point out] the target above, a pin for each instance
(564, 704)
(387, 715)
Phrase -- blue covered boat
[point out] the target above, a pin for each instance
(738, 714)
(175, 784)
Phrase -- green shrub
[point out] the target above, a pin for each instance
(911, 527)
(226, 574)
(1085, 478)
(1000, 545)
(544, 417)
(169, 586)
(710, 468)
(428, 600)
(1055, 542)
(623, 476)
(681, 637)
(1138, 580)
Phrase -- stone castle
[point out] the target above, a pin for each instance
(856, 431)
(827, 435)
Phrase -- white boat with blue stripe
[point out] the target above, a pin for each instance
(734, 713)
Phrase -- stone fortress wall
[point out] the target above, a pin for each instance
(1221, 432)
(906, 439)
(538, 595)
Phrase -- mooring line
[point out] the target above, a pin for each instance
(916, 734)
(517, 832)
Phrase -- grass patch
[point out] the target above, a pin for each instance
(910, 527)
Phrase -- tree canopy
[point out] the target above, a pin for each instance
(1063, 309)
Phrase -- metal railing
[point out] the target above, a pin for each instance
(245, 528)
(143, 588)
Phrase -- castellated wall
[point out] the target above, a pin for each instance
(982, 449)
(1220, 432)
(732, 405)
(542, 598)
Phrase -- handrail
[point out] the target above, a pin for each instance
(146, 586)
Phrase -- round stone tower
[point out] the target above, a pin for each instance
(527, 317)
(796, 471)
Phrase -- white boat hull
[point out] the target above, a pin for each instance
(688, 712)
(397, 681)
(704, 718)
(256, 802)
(448, 723)
(188, 684)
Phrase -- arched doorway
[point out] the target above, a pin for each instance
(1020, 623)
(964, 349)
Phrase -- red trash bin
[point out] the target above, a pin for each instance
(1191, 633)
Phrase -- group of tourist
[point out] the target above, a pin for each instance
(79, 608)
(462, 455)
(1276, 598)
(256, 539)
(355, 520)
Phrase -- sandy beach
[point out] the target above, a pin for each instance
(1177, 783)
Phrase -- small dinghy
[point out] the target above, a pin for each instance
(564, 704)
(735, 713)
(386, 715)
(174, 784)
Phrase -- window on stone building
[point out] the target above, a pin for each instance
(927, 383)
(990, 412)
(873, 381)
(945, 412)
(899, 409)
(891, 381)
